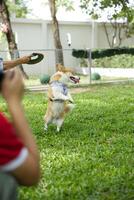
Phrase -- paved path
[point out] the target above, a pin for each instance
(44, 88)
(78, 89)
(37, 88)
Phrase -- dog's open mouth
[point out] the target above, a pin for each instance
(74, 79)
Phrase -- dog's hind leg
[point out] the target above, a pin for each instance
(59, 123)
(47, 120)
(69, 107)
(45, 126)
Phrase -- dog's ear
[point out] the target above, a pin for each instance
(68, 69)
(60, 67)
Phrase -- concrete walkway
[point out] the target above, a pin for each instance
(37, 88)
(44, 88)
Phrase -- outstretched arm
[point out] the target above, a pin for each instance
(13, 63)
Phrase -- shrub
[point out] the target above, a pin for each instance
(95, 76)
(101, 53)
(44, 79)
(117, 61)
(83, 62)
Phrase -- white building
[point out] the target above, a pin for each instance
(36, 36)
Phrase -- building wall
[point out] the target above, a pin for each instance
(36, 36)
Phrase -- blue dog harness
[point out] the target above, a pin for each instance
(60, 86)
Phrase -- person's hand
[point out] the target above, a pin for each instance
(26, 59)
(12, 87)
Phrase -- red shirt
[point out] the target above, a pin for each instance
(12, 151)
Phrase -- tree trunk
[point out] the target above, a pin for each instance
(107, 35)
(12, 46)
(56, 33)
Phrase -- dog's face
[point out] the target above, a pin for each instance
(64, 75)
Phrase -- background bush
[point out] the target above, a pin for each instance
(44, 79)
(101, 53)
(108, 58)
(95, 76)
(117, 61)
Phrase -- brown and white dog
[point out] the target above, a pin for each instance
(60, 101)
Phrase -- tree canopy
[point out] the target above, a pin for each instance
(120, 13)
(113, 9)
(68, 4)
(18, 7)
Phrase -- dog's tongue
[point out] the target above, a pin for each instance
(77, 80)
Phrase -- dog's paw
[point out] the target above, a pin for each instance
(53, 98)
(71, 101)
(66, 98)
(58, 129)
(71, 106)
(45, 128)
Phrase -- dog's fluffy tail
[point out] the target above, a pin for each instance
(69, 107)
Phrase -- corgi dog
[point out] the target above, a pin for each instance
(60, 100)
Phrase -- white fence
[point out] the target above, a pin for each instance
(108, 72)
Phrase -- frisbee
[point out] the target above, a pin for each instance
(35, 58)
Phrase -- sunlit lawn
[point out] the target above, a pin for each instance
(92, 158)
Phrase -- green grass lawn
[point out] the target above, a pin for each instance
(92, 158)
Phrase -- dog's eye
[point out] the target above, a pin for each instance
(70, 74)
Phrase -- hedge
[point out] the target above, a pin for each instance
(117, 61)
(101, 53)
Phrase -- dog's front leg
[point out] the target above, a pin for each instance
(59, 96)
(70, 98)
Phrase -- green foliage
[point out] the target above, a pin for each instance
(101, 53)
(114, 10)
(109, 58)
(117, 61)
(44, 79)
(95, 76)
(68, 4)
(83, 62)
(92, 157)
(19, 8)
(122, 9)
(80, 53)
